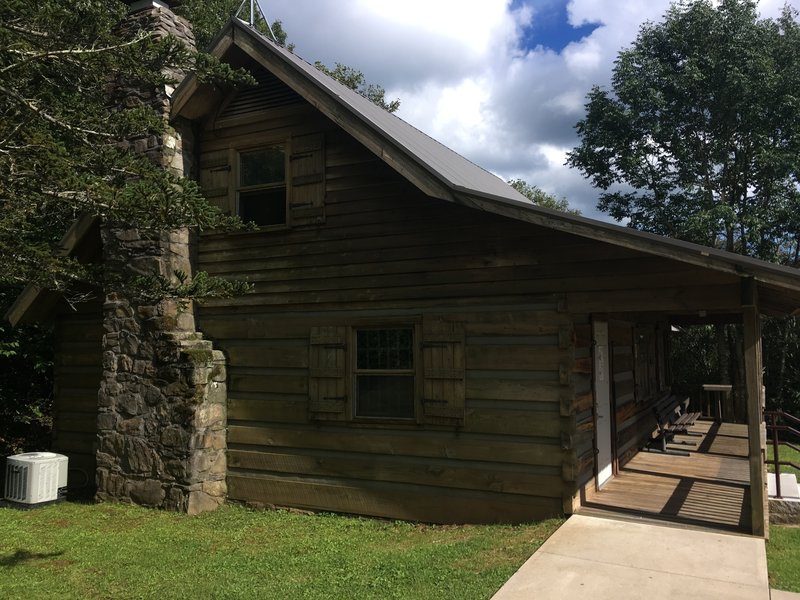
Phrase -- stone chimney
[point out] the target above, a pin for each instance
(173, 149)
(162, 400)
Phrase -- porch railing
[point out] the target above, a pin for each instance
(779, 422)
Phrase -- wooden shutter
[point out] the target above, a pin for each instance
(443, 371)
(327, 389)
(307, 172)
(215, 175)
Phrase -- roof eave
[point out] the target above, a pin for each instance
(190, 84)
(19, 311)
(686, 252)
(34, 302)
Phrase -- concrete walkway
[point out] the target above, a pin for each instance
(606, 559)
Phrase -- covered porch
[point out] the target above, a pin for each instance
(710, 488)
(721, 484)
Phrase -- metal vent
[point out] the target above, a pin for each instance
(17, 477)
(270, 92)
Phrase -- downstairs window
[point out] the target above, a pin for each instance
(384, 373)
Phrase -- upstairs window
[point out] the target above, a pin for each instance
(384, 373)
(261, 195)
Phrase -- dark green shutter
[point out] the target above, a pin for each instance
(327, 386)
(443, 386)
(307, 180)
(215, 178)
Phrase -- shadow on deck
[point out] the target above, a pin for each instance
(710, 488)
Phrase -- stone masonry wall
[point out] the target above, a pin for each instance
(784, 512)
(162, 416)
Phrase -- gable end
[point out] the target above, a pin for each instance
(270, 93)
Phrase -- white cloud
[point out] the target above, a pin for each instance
(461, 75)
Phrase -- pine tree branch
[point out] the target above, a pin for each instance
(26, 31)
(34, 56)
(4, 141)
(51, 119)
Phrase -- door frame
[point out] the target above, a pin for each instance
(603, 405)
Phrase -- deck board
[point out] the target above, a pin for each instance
(708, 488)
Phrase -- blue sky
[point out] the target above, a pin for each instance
(550, 26)
(502, 82)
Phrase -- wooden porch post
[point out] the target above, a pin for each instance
(759, 509)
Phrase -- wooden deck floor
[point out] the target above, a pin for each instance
(708, 488)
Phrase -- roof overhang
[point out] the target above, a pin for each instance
(36, 303)
(777, 277)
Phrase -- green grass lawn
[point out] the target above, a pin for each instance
(86, 552)
(783, 548)
(785, 454)
(783, 556)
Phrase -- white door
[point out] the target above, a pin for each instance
(602, 398)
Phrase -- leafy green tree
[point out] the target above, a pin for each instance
(781, 346)
(699, 138)
(355, 80)
(538, 196)
(26, 384)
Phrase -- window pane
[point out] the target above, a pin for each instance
(263, 207)
(388, 396)
(385, 348)
(263, 166)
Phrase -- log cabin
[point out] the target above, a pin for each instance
(421, 342)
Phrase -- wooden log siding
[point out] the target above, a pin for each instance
(636, 383)
(583, 407)
(501, 444)
(76, 372)
(385, 251)
(623, 388)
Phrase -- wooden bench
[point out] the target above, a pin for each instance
(686, 417)
(672, 418)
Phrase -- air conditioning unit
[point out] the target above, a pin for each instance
(36, 478)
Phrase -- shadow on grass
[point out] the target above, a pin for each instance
(22, 556)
